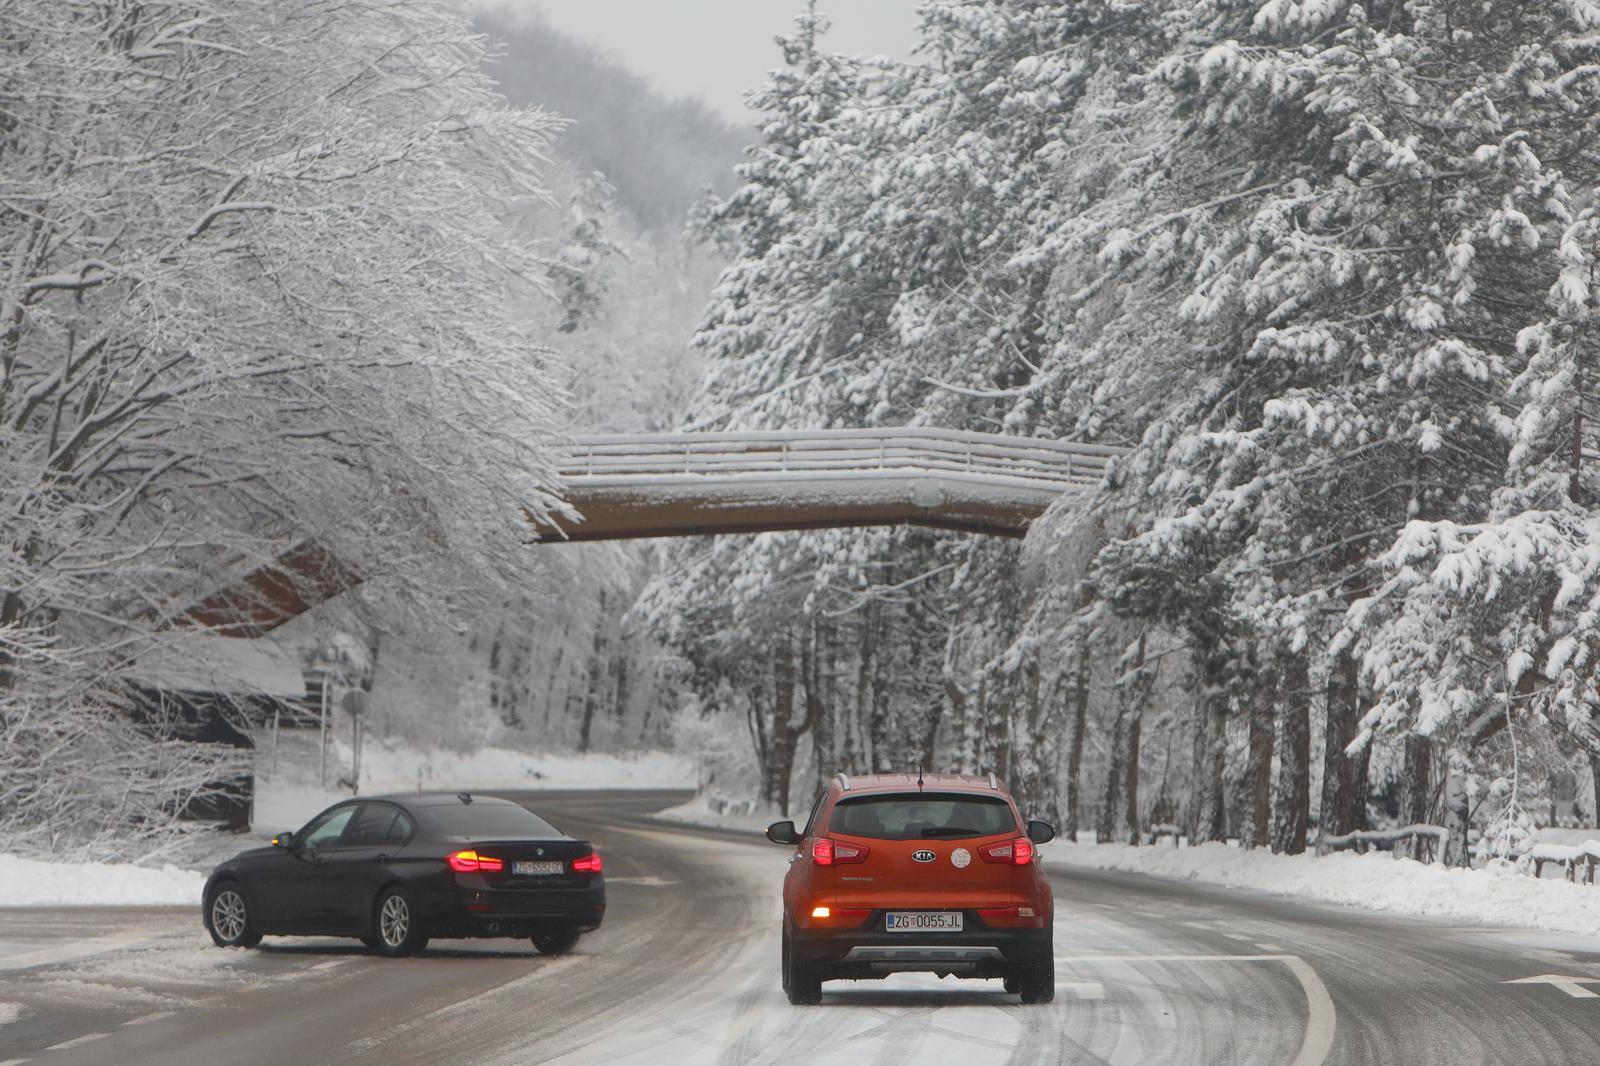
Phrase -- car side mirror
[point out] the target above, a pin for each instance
(284, 840)
(1041, 832)
(783, 833)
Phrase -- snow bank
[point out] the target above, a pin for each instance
(713, 810)
(32, 883)
(1378, 882)
(288, 799)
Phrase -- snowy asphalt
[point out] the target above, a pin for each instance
(685, 972)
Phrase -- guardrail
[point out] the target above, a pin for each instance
(1040, 463)
(1386, 839)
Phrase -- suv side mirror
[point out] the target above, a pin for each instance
(1041, 832)
(783, 833)
(284, 840)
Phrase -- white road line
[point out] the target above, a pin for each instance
(1274, 948)
(1083, 989)
(1236, 936)
(144, 1019)
(331, 964)
(1321, 1018)
(77, 1041)
(71, 951)
(13, 1062)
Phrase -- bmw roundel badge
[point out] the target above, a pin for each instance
(923, 856)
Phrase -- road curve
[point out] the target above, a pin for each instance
(685, 972)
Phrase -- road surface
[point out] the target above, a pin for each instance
(685, 972)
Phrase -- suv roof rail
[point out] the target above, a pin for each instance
(844, 782)
(993, 783)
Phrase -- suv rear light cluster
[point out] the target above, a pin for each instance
(470, 862)
(588, 864)
(1017, 851)
(825, 852)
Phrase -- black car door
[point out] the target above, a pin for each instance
(289, 888)
(360, 864)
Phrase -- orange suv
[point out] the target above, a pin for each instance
(901, 872)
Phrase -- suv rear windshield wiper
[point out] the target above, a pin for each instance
(949, 831)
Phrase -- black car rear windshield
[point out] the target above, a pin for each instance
(489, 821)
(921, 815)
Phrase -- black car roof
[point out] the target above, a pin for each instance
(442, 799)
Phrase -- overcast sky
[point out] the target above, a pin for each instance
(720, 49)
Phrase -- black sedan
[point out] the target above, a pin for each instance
(396, 870)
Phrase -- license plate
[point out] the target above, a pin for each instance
(537, 869)
(922, 921)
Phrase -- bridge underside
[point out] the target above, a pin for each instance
(620, 508)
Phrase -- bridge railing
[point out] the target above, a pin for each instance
(1056, 464)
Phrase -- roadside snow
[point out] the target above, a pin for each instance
(32, 883)
(289, 798)
(706, 809)
(10, 1012)
(1375, 882)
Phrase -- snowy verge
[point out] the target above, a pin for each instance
(32, 883)
(708, 809)
(1375, 882)
(289, 798)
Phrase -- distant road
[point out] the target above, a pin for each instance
(685, 972)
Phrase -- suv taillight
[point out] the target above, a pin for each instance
(589, 864)
(825, 852)
(1017, 851)
(470, 862)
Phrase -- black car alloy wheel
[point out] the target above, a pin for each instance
(397, 926)
(228, 918)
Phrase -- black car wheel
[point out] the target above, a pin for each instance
(801, 980)
(228, 918)
(557, 941)
(398, 930)
(1013, 984)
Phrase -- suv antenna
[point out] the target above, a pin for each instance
(919, 780)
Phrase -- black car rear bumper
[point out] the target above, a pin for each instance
(520, 913)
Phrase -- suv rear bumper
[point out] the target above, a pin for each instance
(869, 952)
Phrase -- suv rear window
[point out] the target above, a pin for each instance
(921, 815)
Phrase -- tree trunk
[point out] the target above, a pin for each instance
(1416, 788)
(591, 700)
(864, 757)
(1080, 715)
(1209, 818)
(1291, 815)
(817, 667)
(1343, 705)
(1594, 783)
(1257, 831)
(1119, 815)
(784, 734)
(1130, 787)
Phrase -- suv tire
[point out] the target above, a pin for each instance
(801, 981)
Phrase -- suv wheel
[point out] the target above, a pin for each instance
(801, 980)
(1036, 977)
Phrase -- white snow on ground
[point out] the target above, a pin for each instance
(32, 883)
(706, 809)
(289, 798)
(10, 1012)
(1376, 882)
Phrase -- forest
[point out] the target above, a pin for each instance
(1327, 269)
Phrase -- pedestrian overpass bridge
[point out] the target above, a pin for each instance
(686, 484)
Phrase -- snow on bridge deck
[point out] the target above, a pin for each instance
(682, 484)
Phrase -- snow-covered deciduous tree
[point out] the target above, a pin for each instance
(255, 289)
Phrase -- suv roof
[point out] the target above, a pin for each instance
(850, 784)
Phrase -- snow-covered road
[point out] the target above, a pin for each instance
(685, 972)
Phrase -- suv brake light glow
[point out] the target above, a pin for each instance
(588, 864)
(1017, 851)
(826, 852)
(467, 862)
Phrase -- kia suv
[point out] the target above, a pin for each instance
(901, 872)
